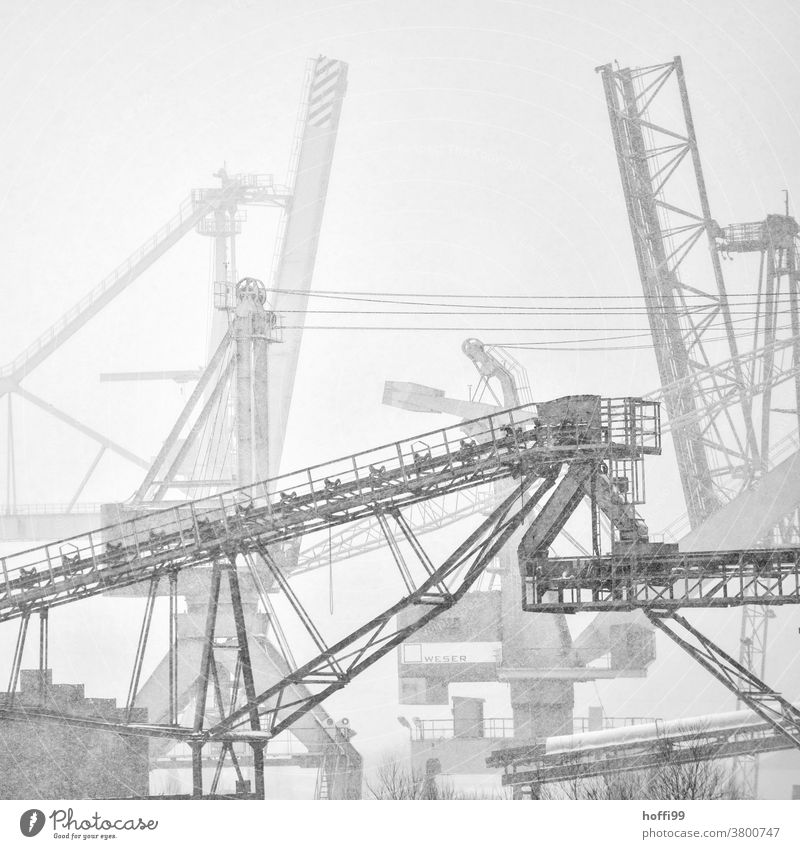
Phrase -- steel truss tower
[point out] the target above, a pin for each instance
(231, 431)
(728, 361)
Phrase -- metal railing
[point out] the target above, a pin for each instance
(498, 728)
(444, 729)
(350, 487)
(49, 509)
(582, 724)
(512, 365)
(664, 578)
(753, 231)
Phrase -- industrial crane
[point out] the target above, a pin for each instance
(723, 378)
(231, 430)
(536, 444)
(532, 647)
(217, 213)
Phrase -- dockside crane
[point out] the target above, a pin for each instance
(536, 445)
(231, 430)
(723, 377)
(612, 496)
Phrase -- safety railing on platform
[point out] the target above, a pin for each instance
(444, 729)
(49, 509)
(584, 724)
(498, 728)
(749, 232)
(664, 579)
(513, 366)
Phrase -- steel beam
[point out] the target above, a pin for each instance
(87, 431)
(336, 665)
(773, 708)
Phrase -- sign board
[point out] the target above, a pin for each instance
(437, 653)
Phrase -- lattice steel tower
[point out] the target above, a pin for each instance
(726, 361)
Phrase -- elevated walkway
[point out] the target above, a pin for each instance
(658, 576)
(384, 479)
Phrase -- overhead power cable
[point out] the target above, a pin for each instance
(335, 293)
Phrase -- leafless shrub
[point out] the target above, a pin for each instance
(394, 778)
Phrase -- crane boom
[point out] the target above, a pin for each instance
(297, 244)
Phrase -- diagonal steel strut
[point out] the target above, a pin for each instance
(372, 641)
(758, 696)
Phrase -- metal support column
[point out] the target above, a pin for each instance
(173, 648)
(44, 637)
(206, 663)
(244, 393)
(16, 663)
(197, 768)
(11, 463)
(247, 674)
(261, 342)
(258, 768)
(133, 687)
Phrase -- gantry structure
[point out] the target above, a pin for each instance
(229, 403)
(233, 535)
(198, 211)
(728, 358)
(539, 659)
(551, 451)
(232, 428)
(660, 580)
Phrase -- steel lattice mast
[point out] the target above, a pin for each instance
(720, 379)
(719, 374)
(234, 424)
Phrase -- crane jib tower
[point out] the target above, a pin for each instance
(723, 376)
